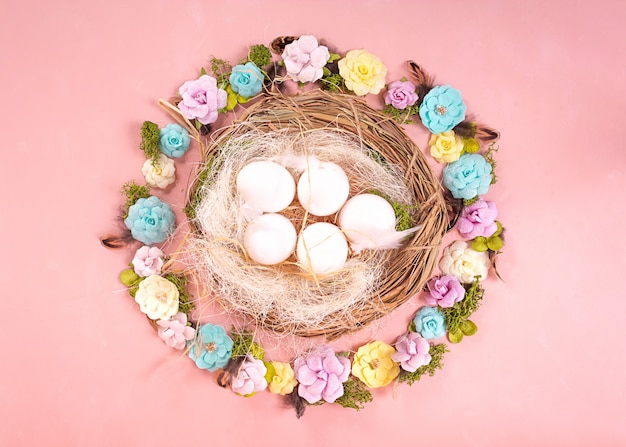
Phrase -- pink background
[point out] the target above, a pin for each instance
(82, 368)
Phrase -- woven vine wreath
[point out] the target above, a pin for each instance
(312, 214)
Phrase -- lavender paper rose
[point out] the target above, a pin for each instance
(444, 291)
(478, 219)
(401, 94)
(412, 351)
(321, 375)
(201, 99)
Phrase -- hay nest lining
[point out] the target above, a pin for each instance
(333, 127)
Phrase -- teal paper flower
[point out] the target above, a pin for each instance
(468, 177)
(150, 221)
(212, 348)
(429, 323)
(442, 109)
(174, 140)
(246, 80)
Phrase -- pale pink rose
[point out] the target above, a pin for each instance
(305, 59)
(251, 377)
(412, 351)
(175, 332)
(202, 99)
(148, 261)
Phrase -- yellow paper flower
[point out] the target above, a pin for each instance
(283, 379)
(446, 147)
(362, 72)
(373, 365)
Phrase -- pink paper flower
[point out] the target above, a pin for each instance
(148, 261)
(321, 375)
(202, 99)
(412, 351)
(478, 219)
(305, 59)
(175, 332)
(401, 94)
(251, 377)
(444, 291)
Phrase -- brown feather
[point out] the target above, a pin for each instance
(294, 400)
(278, 45)
(472, 129)
(424, 81)
(454, 208)
(231, 370)
(117, 241)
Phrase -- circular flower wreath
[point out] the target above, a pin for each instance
(320, 375)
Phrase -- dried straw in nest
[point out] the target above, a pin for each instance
(394, 275)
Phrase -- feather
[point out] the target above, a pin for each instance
(117, 241)
(225, 378)
(473, 129)
(454, 208)
(296, 402)
(278, 45)
(378, 240)
(424, 81)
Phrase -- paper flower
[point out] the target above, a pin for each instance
(478, 219)
(362, 72)
(429, 323)
(321, 375)
(160, 174)
(201, 99)
(250, 378)
(175, 332)
(401, 94)
(150, 220)
(246, 80)
(373, 364)
(157, 297)
(444, 291)
(412, 351)
(282, 379)
(148, 261)
(174, 140)
(446, 147)
(305, 59)
(463, 262)
(468, 177)
(211, 348)
(442, 109)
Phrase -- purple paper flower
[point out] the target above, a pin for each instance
(478, 219)
(305, 59)
(411, 351)
(202, 99)
(321, 375)
(148, 261)
(401, 94)
(175, 332)
(444, 291)
(251, 377)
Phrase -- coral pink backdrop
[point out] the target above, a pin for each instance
(82, 368)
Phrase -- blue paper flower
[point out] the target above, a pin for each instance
(150, 221)
(212, 348)
(174, 140)
(246, 80)
(442, 109)
(468, 177)
(429, 323)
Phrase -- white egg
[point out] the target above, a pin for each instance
(266, 186)
(322, 248)
(322, 191)
(365, 216)
(270, 239)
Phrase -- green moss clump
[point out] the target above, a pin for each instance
(196, 196)
(404, 213)
(133, 192)
(462, 310)
(332, 82)
(401, 116)
(260, 55)
(355, 395)
(468, 202)
(436, 352)
(221, 70)
(150, 140)
(243, 344)
(185, 304)
(489, 157)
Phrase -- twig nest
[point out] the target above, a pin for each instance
(322, 248)
(323, 189)
(265, 186)
(270, 239)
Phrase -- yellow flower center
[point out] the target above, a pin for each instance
(441, 110)
(374, 363)
(161, 296)
(210, 347)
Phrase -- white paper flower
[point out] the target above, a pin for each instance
(160, 174)
(157, 297)
(463, 262)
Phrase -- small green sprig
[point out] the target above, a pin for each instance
(133, 192)
(221, 70)
(196, 196)
(436, 353)
(244, 344)
(355, 394)
(489, 158)
(150, 141)
(457, 316)
(401, 116)
(185, 305)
